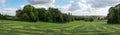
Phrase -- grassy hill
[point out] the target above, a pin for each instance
(43, 28)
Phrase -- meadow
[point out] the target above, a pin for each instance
(45, 28)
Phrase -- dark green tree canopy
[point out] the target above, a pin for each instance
(114, 15)
(2, 16)
(28, 13)
(32, 14)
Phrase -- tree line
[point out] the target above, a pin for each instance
(32, 14)
(89, 18)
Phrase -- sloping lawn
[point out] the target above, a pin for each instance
(43, 28)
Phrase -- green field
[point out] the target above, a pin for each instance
(43, 28)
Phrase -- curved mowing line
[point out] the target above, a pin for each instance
(59, 27)
(76, 29)
(71, 27)
(117, 29)
(49, 26)
(23, 32)
(66, 26)
(97, 28)
(100, 28)
(83, 28)
(104, 28)
(114, 28)
(91, 28)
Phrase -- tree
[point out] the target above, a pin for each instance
(91, 19)
(42, 14)
(55, 15)
(19, 14)
(29, 13)
(114, 15)
(2, 16)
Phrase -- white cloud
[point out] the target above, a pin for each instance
(102, 3)
(8, 11)
(21, 7)
(64, 8)
(78, 6)
(40, 2)
(91, 11)
(90, 7)
(2, 1)
(39, 6)
(74, 6)
(71, 1)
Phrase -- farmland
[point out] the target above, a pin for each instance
(44, 28)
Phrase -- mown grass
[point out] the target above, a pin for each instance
(44, 28)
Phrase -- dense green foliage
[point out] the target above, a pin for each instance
(29, 13)
(2, 17)
(114, 15)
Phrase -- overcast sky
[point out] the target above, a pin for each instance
(76, 7)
